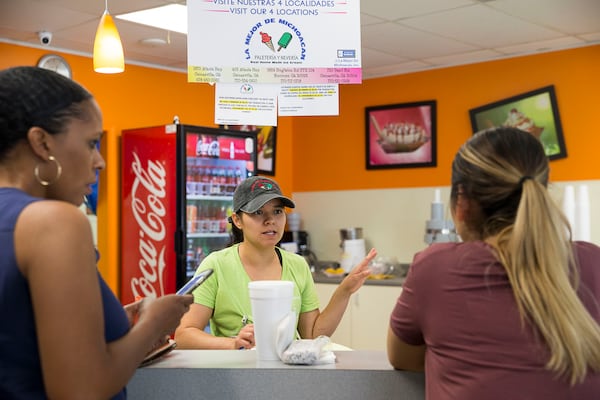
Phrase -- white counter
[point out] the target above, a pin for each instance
(232, 374)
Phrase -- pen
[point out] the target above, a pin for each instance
(244, 323)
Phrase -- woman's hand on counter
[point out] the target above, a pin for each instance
(245, 338)
(355, 279)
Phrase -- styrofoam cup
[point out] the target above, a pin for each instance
(271, 302)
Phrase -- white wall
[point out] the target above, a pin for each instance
(393, 220)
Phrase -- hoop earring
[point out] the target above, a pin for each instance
(36, 172)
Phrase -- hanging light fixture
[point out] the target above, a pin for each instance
(108, 50)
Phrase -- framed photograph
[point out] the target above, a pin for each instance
(266, 144)
(535, 112)
(401, 135)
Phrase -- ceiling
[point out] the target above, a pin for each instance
(398, 36)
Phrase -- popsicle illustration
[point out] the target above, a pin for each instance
(266, 39)
(284, 40)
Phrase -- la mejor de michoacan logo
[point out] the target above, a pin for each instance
(275, 41)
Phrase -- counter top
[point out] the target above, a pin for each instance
(233, 374)
(320, 277)
(396, 281)
(397, 276)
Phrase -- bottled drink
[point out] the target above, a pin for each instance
(189, 178)
(190, 257)
(192, 216)
(205, 179)
(222, 181)
(230, 181)
(203, 215)
(199, 175)
(238, 176)
(222, 219)
(214, 219)
(214, 181)
(199, 255)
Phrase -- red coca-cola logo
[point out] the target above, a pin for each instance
(148, 193)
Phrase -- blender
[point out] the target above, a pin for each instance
(353, 248)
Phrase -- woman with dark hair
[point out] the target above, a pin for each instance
(258, 224)
(513, 312)
(64, 335)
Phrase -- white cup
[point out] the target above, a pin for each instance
(271, 302)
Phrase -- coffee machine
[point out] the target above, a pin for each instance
(437, 228)
(297, 241)
(294, 241)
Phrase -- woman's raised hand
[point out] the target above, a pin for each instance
(359, 274)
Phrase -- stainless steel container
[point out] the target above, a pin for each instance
(351, 233)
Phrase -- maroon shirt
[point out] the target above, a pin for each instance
(457, 300)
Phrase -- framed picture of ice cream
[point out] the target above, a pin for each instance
(266, 144)
(401, 135)
(535, 112)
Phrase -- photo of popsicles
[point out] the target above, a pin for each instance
(266, 39)
(284, 40)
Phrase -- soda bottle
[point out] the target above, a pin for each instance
(222, 181)
(230, 181)
(192, 217)
(199, 255)
(190, 257)
(222, 217)
(238, 176)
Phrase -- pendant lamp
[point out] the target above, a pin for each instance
(108, 50)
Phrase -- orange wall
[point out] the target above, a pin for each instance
(136, 98)
(328, 153)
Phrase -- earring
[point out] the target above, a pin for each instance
(36, 172)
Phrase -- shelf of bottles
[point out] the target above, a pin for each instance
(209, 203)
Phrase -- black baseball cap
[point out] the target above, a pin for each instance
(254, 192)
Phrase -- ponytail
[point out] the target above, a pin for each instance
(537, 255)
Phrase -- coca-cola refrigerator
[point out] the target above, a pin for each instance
(177, 184)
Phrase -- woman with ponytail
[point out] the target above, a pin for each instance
(512, 312)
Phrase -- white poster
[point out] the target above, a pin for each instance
(274, 41)
(246, 104)
(308, 100)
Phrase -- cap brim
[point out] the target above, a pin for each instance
(259, 201)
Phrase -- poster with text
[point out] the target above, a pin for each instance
(274, 41)
(301, 100)
(246, 104)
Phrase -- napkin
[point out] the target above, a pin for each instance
(308, 352)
